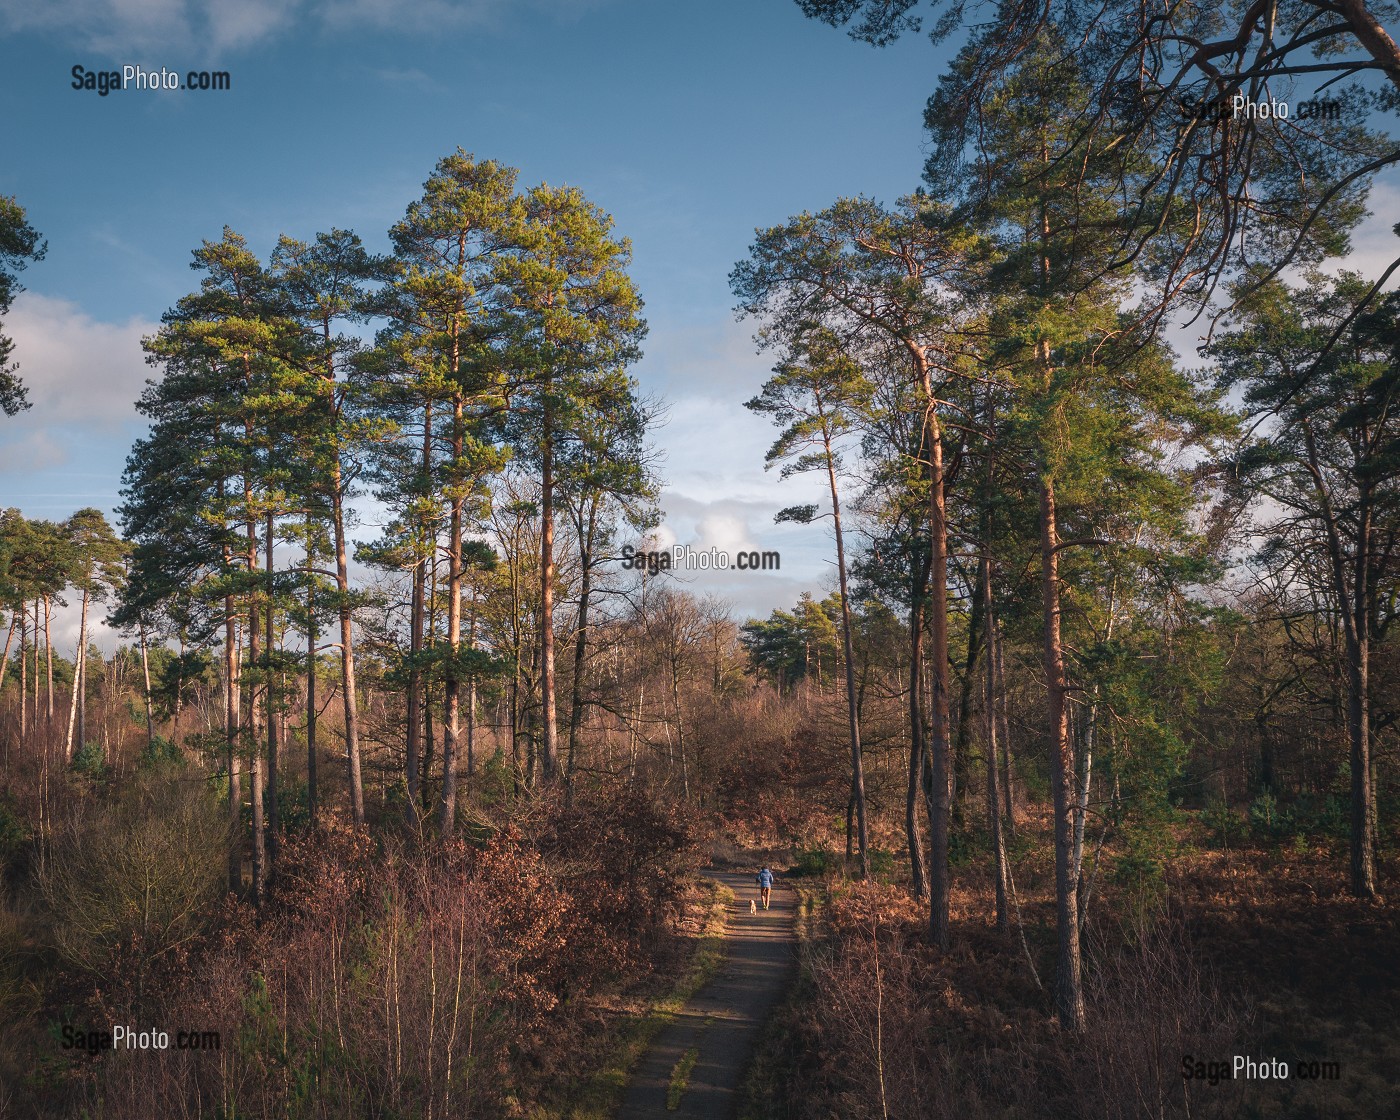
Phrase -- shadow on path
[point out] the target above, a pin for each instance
(724, 1019)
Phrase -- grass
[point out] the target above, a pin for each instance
(680, 1078)
(600, 1097)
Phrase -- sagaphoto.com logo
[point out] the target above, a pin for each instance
(148, 80)
(684, 558)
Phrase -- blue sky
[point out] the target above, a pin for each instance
(690, 123)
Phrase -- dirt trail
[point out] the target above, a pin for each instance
(723, 1021)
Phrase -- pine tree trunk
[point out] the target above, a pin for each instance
(547, 699)
(989, 697)
(146, 678)
(414, 730)
(936, 787)
(580, 643)
(254, 724)
(680, 722)
(1004, 722)
(48, 665)
(76, 707)
(5, 657)
(848, 647)
(231, 712)
(349, 695)
(452, 685)
(430, 592)
(24, 676)
(312, 638)
(259, 832)
(917, 870)
(960, 777)
(1069, 994)
(274, 746)
(1358, 637)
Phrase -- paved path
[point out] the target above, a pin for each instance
(724, 1019)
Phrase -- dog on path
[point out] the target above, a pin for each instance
(753, 907)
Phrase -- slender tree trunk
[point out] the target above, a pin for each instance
(414, 730)
(34, 711)
(917, 870)
(256, 672)
(989, 697)
(259, 830)
(1363, 820)
(547, 700)
(580, 642)
(232, 690)
(848, 647)
(680, 722)
(82, 685)
(5, 657)
(24, 675)
(348, 688)
(1069, 994)
(348, 692)
(146, 679)
(75, 710)
(430, 591)
(1354, 606)
(936, 797)
(452, 685)
(274, 746)
(960, 783)
(312, 638)
(48, 665)
(1004, 721)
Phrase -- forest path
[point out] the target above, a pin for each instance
(723, 1021)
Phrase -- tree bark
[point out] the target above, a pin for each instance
(231, 713)
(993, 805)
(853, 717)
(254, 725)
(1004, 721)
(312, 638)
(146, 679)
(5, 657)
(581, 639)
(547, 698)
(348, 693)
(48, 665)
(274, 746)
(75, 710)
(1069, 994)
(917, 869)
(451, 686)
(936, 781)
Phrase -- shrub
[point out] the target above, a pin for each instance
(134, 878)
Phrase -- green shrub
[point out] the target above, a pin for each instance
(90, 761)
(1264, 816)
(1224, 824)
(159, 752)
(817, 861)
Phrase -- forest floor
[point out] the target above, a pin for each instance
(694, 1066)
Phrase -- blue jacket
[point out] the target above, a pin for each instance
(765, 878)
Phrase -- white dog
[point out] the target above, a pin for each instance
(753, 907)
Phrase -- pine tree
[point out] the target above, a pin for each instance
(813, 395)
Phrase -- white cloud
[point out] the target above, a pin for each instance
(209, 28)
(1374, 245)
(83, 378)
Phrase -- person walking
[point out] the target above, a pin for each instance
(765, 886)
